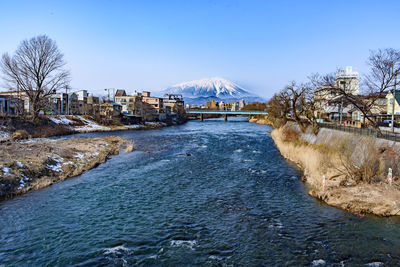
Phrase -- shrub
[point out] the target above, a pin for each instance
(360, 161)
(49, 130)
(20, 134)
(290, 133)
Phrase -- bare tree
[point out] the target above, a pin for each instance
(385, 65)
(311, 105)
(297, 93)
(36, 69)
(278, 108)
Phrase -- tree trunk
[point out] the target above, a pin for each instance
(35, 110)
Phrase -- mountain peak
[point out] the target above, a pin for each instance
(217, 88)
(209, 87)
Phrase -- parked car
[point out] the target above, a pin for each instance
(388, 123)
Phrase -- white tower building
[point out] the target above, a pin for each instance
(347, 79)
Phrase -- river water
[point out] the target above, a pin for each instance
(209, 193)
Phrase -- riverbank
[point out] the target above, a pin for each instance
(62, 125)
(85, 124)
(260, 120)
(31, 165)
(344, 170)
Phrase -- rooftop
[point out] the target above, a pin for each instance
(347, 72)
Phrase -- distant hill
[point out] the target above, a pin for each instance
(200, 91)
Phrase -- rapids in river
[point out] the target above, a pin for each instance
(209, 193)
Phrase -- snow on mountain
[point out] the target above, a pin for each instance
(199, 91)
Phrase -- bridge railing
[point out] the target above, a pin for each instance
(238, 112)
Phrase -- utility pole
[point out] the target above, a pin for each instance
(67, 105)
(108, 90)
(394, 99)
(341, 104)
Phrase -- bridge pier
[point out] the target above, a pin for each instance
(225, 117)
(201, 117)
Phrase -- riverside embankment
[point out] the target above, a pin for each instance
(37, 163)
(47, 126)
(345, 170)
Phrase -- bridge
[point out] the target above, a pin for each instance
(225, 113)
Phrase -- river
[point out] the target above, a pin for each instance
(209, 193)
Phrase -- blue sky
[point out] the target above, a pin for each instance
(150, 45)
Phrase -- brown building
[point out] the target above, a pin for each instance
(212, 105)
(73, 104)
(153, 105)
(93, 106)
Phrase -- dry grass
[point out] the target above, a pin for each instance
(51, 130)
(358, 159)
(355, 169)
(290, 133)
(20, 134)
(359, 162)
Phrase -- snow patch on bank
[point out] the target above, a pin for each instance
(55, 167)
(82, 124)
(4, 135)
(6, 170)
(62, 120)
(90, 126)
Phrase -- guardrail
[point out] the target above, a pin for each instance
(363, 131)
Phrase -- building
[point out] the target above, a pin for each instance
(212, 105)
(120, 92)
(149, 113)
(93, 106)
(130, 105)
(389, 103)
(175, 103)
(235, 106)
(82, 95)
(153, 108)
(242, 103)
(73, 107)
(58, 104)
(221, 105)
(110, 111)
(22, 96)
(347, 79)
(328, 101)
(10, 105)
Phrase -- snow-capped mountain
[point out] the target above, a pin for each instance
(201, 91)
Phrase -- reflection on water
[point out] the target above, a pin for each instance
(204, 193)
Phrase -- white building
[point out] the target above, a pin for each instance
(242, 103)
(82, 94)
(347, 79)
(329, 100)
